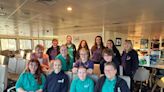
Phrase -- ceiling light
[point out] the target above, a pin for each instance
(69, 8)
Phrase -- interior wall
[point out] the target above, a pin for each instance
(89, 37)
(113, 36)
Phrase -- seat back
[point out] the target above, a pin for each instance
(127, 79)
(3, 60)
(12, 65)
(3, 77)
(141, 74)
(28, 56)
(22, 53)
(94, 77)
(21, 65)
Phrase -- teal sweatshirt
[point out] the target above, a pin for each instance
(65, 66)
(78, 85)
(109, 85)
(27, 82)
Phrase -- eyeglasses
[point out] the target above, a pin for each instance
(83, 54)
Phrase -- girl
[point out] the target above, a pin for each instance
(108, 57)
(83, 44)
(82, 83)
(32, 79)
(64, 57)
(57, 81)
(84, 61)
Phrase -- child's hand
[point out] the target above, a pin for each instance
(74, 70)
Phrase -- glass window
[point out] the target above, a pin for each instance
(36, 42)
(48, 43)
(8, 44)
(25, 44)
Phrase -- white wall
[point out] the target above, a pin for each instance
(89, 37)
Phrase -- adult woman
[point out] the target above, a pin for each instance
(65, 58)
(129, 61)
(57, 81)
(71, 47)
(110, 45)
(111, 82)
(97, 49)
(32, 79)
(82, 83)
(83, 44)
(41, 57)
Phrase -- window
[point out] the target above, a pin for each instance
(25, 44)
(8, 44)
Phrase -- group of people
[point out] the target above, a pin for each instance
(46, 72)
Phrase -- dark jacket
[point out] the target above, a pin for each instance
(130, 62)
(117, 55)
(56, 83)
(116, 62)
(120, 84)
(51, 49)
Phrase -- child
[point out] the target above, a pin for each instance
(82, 83)
(84, 61)
(57, 81)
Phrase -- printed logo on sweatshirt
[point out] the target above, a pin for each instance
(86, 86)
(61, 81)
(128, 58)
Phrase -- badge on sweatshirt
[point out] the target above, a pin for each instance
(61, 81)
(86, 86)
(128, 58)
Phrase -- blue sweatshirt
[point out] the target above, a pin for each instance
(56, 83)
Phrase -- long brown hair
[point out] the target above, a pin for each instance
(38, 72)
(95, 44)
(86, 46)
(80, 47)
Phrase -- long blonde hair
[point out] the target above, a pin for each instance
(130, 45)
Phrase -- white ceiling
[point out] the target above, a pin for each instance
(135, 17)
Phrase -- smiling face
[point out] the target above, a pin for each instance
(82, 73)
(33, 66)
(57, 66)
(110, 71)
(109, 44)
(107, 58)
(98, 40)
(39, 51)
(83, 55)
(128, 45)
(55, 43)
(69, 39)
(63, 51)
(83, 44)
